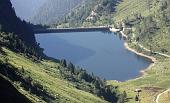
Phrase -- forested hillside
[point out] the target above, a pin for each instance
(150, 21)
(147, 26)
(24, 68)
(33, 78)
(9, 22)
(54, 10)
(90, 13)
(30, 8)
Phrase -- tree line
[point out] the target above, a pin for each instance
(90, 83)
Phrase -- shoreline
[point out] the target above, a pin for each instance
(138, 53)
(153, 59)
(142, 72)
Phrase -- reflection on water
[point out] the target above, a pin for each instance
(101, 53)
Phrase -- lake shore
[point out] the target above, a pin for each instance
(153, 59)
(142, 72)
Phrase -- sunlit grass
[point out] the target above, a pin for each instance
(46, 73)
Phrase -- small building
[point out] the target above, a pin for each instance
(92, 16)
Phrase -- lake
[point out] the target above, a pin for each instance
(102, 53)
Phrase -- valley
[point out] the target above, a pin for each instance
(87, 67)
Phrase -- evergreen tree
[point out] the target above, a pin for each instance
(71, 67)
(63, 63)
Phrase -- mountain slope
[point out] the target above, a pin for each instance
(54, 10)
(90, 13)
(39, 79)
(47, 75)
(9, 22)
(9, 94)
(149, 20)
(49, 81)
(30, 8)
(127, 9)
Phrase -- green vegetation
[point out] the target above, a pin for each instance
(53, 11)
(41, 79)
(149, 20)
(44, 80)
(127, 9)
(154, 81)
(10, 23)
(88, 82)
(90, 13)
(14, 43)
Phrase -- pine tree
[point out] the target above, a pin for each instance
(71, 67)
(63, 63)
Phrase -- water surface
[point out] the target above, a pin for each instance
(101, 53)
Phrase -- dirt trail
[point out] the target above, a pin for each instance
(158, 96)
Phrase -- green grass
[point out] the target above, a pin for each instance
(127, 9)
(155, 80)
(47, 74)
(161, 40)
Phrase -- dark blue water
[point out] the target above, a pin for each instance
(101, 53)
